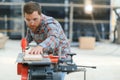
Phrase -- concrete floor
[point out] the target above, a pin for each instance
(105, 56)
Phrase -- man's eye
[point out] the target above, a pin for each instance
(35, 19)
(28, 20)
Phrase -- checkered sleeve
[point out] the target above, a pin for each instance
(52, 39)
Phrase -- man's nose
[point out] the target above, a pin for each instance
(31, 22)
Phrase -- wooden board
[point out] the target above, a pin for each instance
(32, 57)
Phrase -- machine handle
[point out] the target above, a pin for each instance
(24, 44)
(94, 67)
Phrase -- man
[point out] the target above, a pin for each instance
(45, 31)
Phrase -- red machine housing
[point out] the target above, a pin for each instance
(23, 69)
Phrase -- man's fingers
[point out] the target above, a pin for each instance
(36, 50)
(32, 51)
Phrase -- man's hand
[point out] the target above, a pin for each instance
(36, 50)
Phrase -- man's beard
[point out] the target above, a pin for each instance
(34, 30)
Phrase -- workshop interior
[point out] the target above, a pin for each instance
(91, 26)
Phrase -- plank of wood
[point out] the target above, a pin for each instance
(33, 57)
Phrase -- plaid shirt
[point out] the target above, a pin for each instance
(50, 36)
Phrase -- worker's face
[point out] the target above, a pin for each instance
(33, 20)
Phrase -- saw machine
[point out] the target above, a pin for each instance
(46, 67)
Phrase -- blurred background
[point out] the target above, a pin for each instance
(96, 18)
(95, 24)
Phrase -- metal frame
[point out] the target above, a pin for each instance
(71, 5)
